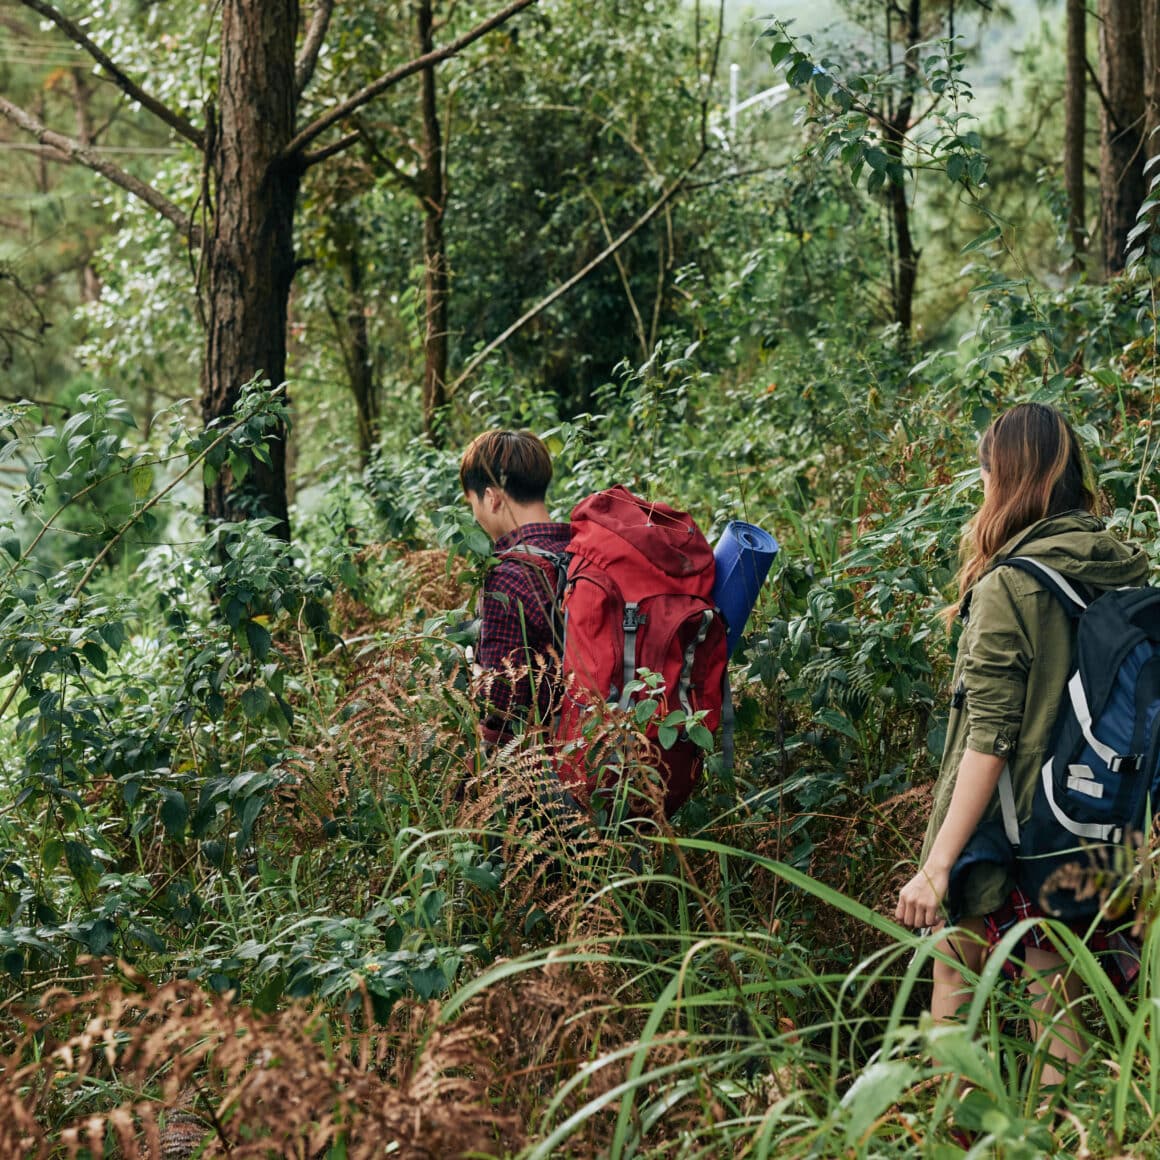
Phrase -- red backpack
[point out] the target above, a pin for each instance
(638, 595)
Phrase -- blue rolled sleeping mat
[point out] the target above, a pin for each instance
(743, 554)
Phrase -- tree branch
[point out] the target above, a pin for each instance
(317, 155)
(369, 92)
(131, 89)
(73, 151)
(312, 44)
(580, 274)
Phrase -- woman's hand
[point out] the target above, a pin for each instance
(920, 901)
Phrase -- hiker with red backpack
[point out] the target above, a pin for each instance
(505, 477)
(1052, 743)
(588, 623)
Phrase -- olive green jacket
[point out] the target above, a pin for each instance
(1012, 667)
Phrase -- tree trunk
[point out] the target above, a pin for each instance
(433, 194)
(906, 255)
(1151, 39)
(1121, 125)
(89, 280)
(250, 259)
(355, 343)
(1075, 122)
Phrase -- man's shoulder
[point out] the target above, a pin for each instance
(552, 536)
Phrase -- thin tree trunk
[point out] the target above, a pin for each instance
(433, 193)
(1151, 39)
(355, 343)
(1074, 122)
(1121, 126)
(906, 255)
(251, 249)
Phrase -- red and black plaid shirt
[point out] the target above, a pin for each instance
(516, 635)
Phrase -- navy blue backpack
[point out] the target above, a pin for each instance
(1100, 785)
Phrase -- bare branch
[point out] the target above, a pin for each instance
(170, 116)
(387, 80)
(657, 206)
(622, 270)
(73, 151)
(343, 143)
(312, 44)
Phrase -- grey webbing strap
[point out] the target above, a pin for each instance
(685, 683)
(559, 560)
(727, 725)
(1061, 582)
(632, 621)
(1007, 806)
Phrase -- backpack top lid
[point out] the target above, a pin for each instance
(614, 528)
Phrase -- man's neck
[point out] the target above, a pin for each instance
(516, 515)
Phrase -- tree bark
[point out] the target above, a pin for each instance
(433, 194)
(906, 254)
(1121, 125)
(251, 247)
(1075, 123)
(354, 341)
(1151, 39)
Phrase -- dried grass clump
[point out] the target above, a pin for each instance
(176, 1068)
(428, 582)
(401, 718)
(171, 1072)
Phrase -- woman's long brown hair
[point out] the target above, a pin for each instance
(1037, 469)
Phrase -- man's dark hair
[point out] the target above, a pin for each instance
(517, 462)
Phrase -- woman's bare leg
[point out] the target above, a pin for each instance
(951, 990)
(1053, 988)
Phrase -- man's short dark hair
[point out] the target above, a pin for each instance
(517, 462)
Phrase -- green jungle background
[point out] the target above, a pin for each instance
(260, 893)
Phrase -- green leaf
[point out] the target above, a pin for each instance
(427, 981)
(982, 240)
(174, 812)
(258, 638)
(51, 854)
(801, 71)
(95, 656)
(779, 52)
(874, 1092)
(142, 477)
(839, 722)
(113, 634)
(239, 467)
(644, 711)
(11, 545)
(701, 737)
(667, 736)
(256, 703)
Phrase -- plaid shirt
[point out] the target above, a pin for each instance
(517, 603)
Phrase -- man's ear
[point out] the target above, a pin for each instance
(493, 497)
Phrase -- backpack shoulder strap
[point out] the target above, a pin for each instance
(553, 566)
(1055, 582)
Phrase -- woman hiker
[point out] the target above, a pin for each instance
(1011, 668)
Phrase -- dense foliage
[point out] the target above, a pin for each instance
(258, 884)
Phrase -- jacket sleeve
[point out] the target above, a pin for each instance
(999, 652)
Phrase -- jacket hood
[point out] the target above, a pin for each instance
(1078, 545)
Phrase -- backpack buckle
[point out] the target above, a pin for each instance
(1127, 763)
(632, 617)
